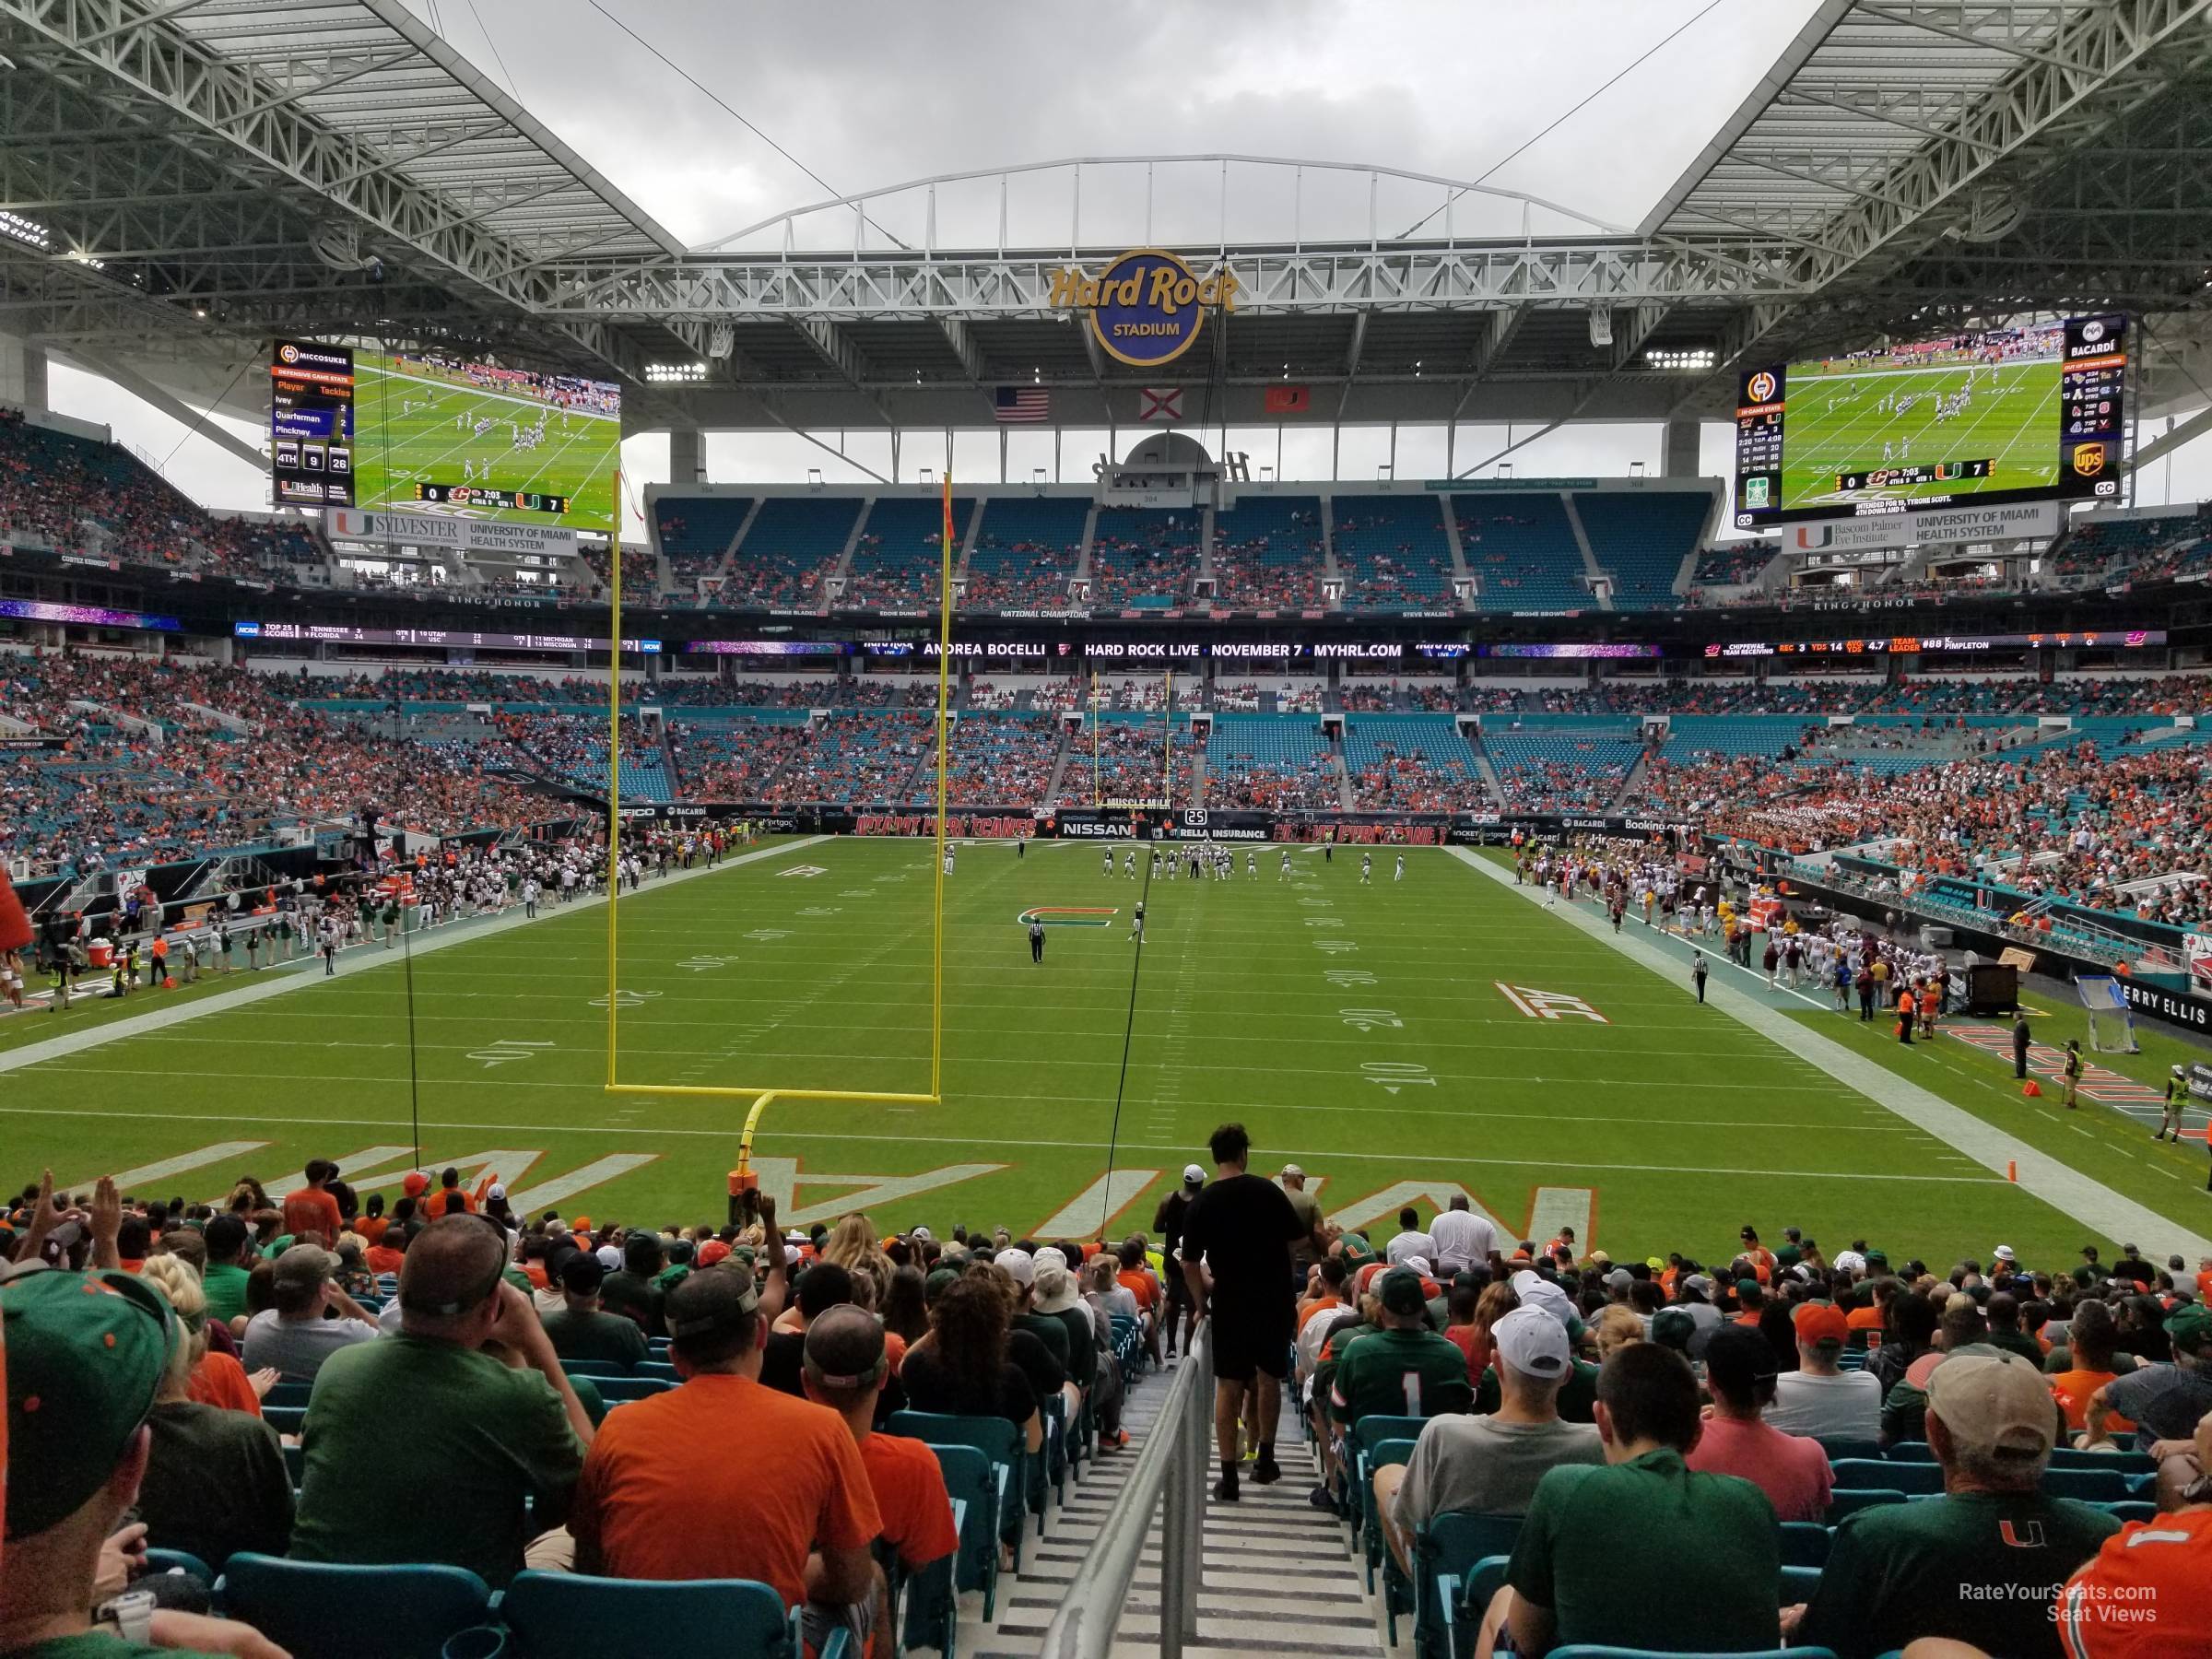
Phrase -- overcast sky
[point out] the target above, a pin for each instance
(866, 95)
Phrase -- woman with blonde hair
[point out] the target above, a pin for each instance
(214, 1481)
(216, 1378)
(1615, 1328)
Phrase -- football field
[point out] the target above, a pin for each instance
(1402, 1041)
(413, 425)
(1849, 422)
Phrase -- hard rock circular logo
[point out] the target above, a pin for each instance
(1148, 307)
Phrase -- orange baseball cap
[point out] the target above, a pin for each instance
(1822, 1322)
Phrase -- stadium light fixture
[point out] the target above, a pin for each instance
(672, 375)
(1686, 359)
(28, 232)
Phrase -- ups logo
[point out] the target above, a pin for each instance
(2088, 459)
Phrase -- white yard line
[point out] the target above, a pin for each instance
(907, 1138)
(2069, 1191)
(359, 958)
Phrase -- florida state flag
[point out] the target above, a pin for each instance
(15, 924)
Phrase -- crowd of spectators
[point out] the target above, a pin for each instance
(116, 792)
(225, 1375)
(1000, 760)
(731, 760)
(2064, 822)
(641, 572)
(1128, 761)
(855, 756)
(1143, 559)
(1733, 566)
(77, 496)
(1409, 780)
(1247, 780)
(1278, 570)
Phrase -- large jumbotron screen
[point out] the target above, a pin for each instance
(434, 433)
(2009, 415)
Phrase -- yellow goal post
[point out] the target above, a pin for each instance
(742, 1178)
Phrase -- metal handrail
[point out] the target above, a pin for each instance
(1171, 1468)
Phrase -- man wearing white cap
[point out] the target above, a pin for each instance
(1489, 1466)
(1305, 1251)
(1544, 1295)
(1982, 1563)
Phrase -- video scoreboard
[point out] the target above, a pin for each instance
(2035, 413)
(311, 425)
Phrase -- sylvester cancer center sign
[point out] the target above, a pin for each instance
(1147, 306)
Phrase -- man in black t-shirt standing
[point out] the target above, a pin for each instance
(1241, 1227)
(1167, 1222)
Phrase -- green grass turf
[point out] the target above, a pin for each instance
(404, 434)
(1670, 1126)
(1835, 426)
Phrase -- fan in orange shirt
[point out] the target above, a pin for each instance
(2160, 1570)
(790, 1495)
(2091, 1338)
(847, 1361)
(309, 1212)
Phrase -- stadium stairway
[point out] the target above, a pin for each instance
(1590, 568)
(1278, 1577)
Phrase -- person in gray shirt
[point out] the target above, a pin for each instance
(1491, 1465)
(295, 1336)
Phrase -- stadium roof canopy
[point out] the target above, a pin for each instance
(185, 178)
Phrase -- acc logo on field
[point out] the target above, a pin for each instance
(1147, 306)
(1760, 386)
(2088, 459)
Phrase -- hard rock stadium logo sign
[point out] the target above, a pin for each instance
(1147, 306)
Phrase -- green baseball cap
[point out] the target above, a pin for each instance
(1401, 1292)
(85, 1356)
(1673, 1327)
(2190, 1329)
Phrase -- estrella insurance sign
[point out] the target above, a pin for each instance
(1147, 306)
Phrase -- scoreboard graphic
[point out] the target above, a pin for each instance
(2028, 414)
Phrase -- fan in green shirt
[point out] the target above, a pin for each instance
(428, 1424)
(579, 1331)
(1586, 1571)
(1984, 1562)
(229, 1263)
(1401, 1369)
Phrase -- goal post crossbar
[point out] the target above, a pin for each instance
(762, 1097)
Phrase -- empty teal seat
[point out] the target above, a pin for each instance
(317, 1610)
(553, 1614)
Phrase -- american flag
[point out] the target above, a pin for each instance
(1022, 403)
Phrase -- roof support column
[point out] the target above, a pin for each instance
(687, 456)
(1678, 449)
(23, 374)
